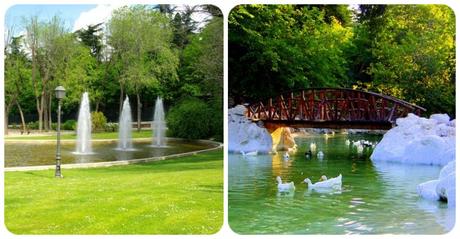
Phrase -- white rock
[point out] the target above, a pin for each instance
(440, 118)
(425, 150)
(427, 190)
(441, 188)
(244, 135)
(418, 140)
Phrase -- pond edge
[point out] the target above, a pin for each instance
(217, 145)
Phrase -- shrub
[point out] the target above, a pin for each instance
(217, 123)
(111, 127)
(98, 121)
(32, 125)
(69, 125)
(190, 119)
(54, 126)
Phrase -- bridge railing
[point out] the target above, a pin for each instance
(330, 104)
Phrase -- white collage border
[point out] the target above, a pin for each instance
(225, 6)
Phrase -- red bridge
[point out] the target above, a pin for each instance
(331, 108)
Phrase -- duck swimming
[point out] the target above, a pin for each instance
(320, 155)
(333, 183)
(284, 186)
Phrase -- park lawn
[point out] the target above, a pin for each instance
(177, 196)
(94, 135)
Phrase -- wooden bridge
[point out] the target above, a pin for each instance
(331, 108)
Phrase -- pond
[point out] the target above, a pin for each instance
(32, 153)
(376, 198)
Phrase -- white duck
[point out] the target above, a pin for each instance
(333, 183)
(313, 147)
(360, 149)
(284, 186)
(320, 155)
(253, 153)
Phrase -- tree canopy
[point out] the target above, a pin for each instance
(142, 51)
(406, 51)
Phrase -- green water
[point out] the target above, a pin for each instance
(376, 198)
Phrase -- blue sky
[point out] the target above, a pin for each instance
(74, 16)
(69, 13)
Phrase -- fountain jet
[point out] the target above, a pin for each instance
(159, 125)
(125, 128)
(84, 127)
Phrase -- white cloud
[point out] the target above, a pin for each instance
(101, 13)
(200, 16)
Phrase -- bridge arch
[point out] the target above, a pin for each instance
(331, 108)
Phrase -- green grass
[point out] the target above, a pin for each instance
(178, 196)
(101, 135)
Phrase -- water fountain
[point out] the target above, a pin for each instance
(125, 128)
(159, 125)
(84, 127)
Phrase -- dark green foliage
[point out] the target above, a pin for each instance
(111, 127)
(405, 51)
(146, 52)
(32, 125)
(92, 38)
(69, 125)
(98, 121)
(190, 119)
(274, 48)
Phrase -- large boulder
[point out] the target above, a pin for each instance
(442, 188)
(418, 140)
(244, 135)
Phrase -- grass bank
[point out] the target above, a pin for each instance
(100, 135)
(180, 196)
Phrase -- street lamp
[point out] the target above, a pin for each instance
(60, 94)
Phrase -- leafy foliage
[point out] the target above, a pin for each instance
(98, 121)
(280, 47)
(406, 51)
(142, 50)
(190, 119)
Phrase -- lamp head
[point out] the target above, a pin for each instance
(60, 92)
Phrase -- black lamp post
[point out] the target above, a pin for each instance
(60, 94)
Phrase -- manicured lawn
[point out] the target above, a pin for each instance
(101, 135)
(178, 196)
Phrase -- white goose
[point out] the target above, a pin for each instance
(284, 186)
(320, 155)
(333, 183)
(253, 153)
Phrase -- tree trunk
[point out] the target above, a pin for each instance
(23, 122)
(45, 112)
(121, 99)
(97, 106)
(37, 95)
(139, 111)
(50, 119)
(7, 112)
(40, 112)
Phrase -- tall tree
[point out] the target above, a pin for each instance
(144, 54)
(283, 47)
(414, 52)
(92, 37)
(17, 72)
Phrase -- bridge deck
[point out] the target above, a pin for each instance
(332, 108)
